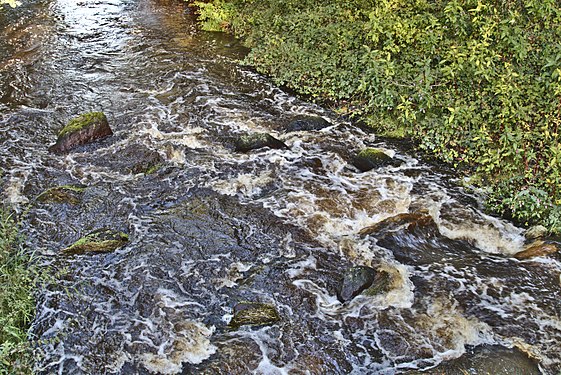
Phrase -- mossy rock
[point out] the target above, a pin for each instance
(363, 280)
(99, 241)
(253, 314)
(371, 158)
(62, 194)
(307, 123)
(254, 141)
(81, 130)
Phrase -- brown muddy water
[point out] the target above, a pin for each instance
(210, 227)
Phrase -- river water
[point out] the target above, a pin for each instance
(212, 227)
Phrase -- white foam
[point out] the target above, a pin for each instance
(190, 343)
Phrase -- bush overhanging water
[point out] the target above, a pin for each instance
(477, 83)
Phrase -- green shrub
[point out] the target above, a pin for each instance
(477, 83)
(18, 279)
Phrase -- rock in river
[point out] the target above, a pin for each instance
(99, 241)
(81, 130)
(537, 249)
(371, 158)
(307, 123)
(253, 314)
(256, 141)
(62, 194)
(359, 279)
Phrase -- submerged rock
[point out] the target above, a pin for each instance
(62, 194)
(537, 249)
(256, 141)
(81, 130)
(99, 241)
(487, 359)
(253, 314)
(410, 220)
(307, 123)
(138, 158)
(365, 280)
(371, 158)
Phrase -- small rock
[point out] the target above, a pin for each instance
(536, 232)
(537, 249)
(359, 279)
(62, 194)
(255, 141)
(254, 314)
(99, 241)
(307, 123)
(371, 158)
(81, 130)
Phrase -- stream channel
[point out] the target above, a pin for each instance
(211, 228)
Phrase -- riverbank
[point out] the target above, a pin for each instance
(18, 278)
(478, 86)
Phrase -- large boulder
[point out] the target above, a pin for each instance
(363, 280)
(99, 241)
(256, 141)
(307, 123)
(253, 314)
(537, 249)
(371, 158)
(81, 130)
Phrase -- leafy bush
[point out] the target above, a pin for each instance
(18, 278)
(477, 83)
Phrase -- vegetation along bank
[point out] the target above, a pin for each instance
(476, 83)
(18, 279)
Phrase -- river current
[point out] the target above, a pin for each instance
(211, 227)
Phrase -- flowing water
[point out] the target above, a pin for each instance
(212, 227)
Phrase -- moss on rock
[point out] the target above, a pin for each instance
(82, 121)
(253, 314)
(371, 158)
(81, 130)
(62, 194)
(99, 241)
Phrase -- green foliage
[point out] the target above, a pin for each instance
(476, 82)
(18, 279)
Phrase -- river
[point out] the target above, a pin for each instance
(210, 227)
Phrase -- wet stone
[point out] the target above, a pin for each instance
(137, 158)
(371, 158)
(81, 130)
(487, 359)
(99, 241)
(248, 142)
(253, 314)
(71, 194)
(537, 249)
(365, 280)
(307, 123)
(409, 220)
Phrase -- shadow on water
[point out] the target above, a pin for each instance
(211, 229)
